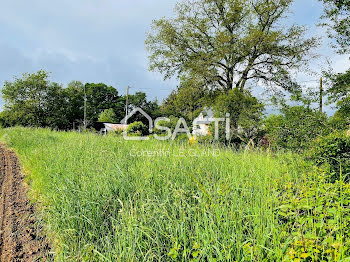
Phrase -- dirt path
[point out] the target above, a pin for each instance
(19, 238)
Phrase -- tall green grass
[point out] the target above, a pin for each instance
(100, 202)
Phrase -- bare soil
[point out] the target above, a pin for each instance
(20, 237)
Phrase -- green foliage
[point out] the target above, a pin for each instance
(104, 202)
(107, 116)
(187, 101)
(344, 109)
(7, 118)
(341, 121)
(334, 151)
(74, 94)
(296, 127)
(228, 42)
(190, 204)
(340, 86)
(315, 218)
(338, 12)
(99, 97)
(139, 99)
(137, 128)
(33, 100)
(245, 115)
(339, 93)
(169, 124)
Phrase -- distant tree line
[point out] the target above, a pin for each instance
(33, 100)
(219, 50)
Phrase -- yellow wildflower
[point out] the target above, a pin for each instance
(192, 140)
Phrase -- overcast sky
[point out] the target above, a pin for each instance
(102, 40)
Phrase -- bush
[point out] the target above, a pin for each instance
(315, 224)
(341, 118)
(296, 128)
(137, 128)
(334, 152)
(108, 116)
(245, 116)
(338, 122)
(169, 124)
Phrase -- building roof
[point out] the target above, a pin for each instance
(115, 127)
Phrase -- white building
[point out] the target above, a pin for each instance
(201, 125)
(113, 128)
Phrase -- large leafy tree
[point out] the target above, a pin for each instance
(229, 42)
(108, 116)
(338, 14)
(101, 97)
(74, 94)
(187, 101)
(139, 100)
(245, 114)
(32, 100)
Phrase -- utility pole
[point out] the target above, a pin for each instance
(85, 100)
(321, 96)
(127, 105)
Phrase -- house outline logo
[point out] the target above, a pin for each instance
(177, 129)
(133, 112)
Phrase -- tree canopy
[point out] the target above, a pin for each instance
(33, 100)
(338, 14)
(229, 42)
(108, 116)
(139, 99)
(340, 86)
(101, 97)
(339, 93)
(187, 101)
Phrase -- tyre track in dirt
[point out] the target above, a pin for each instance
(20, 238)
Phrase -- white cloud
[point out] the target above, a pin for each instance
(101, 41)
(341, 63)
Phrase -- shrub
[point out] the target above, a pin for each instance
(314, 219)
(296, 128)
(169, 124)
(137, 128)
(108, 116)
(245, 116)
(338, 122)
(341, 118)
(334, 151)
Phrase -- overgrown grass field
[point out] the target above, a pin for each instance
(106, 199)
